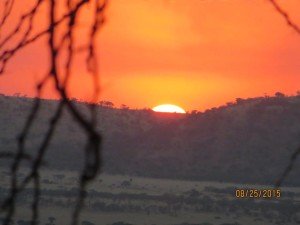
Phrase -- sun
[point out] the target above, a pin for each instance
(168, 108)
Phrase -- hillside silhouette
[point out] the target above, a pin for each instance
(246, 141)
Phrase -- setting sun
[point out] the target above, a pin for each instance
(168, 108)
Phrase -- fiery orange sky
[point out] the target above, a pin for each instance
(196, 54)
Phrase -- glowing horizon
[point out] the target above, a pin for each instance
(197, 54)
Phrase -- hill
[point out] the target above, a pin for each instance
(248, 141)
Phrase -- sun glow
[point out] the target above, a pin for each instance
(168, 108)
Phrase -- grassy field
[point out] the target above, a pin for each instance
(146, 201)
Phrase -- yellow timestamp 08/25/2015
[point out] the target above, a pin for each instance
(257, 193)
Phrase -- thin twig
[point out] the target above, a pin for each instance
(286, 16)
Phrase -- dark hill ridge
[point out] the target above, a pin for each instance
(248, 141)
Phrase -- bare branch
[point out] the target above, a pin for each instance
(286, 16)
(8, 5)
(67, 42)
(296, 28)
(289, 168)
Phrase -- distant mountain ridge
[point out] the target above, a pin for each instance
(248, 141)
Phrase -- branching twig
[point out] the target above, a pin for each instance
(285, 15)
(8, 5)
(92, 150)
(296, 28)
(289, 168)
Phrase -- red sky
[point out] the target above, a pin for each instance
(196, 54)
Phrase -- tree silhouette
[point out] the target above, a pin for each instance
(57, 43)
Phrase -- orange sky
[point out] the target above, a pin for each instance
(197, 54)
